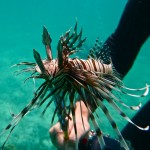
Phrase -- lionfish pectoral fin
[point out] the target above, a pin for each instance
(39, 61)
(12, 114)
(14, 122)
(77, 85)
(23, 63)
(47, 42)
(71, 97)
(103, 108)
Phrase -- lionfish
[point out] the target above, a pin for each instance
(91, 80)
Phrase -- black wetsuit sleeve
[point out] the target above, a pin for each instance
(124, 44)
(132, 31)
(139, 139)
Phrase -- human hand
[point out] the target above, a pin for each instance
(57, 135)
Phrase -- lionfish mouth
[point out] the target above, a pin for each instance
(91, 80)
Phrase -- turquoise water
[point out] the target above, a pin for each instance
(20, 32)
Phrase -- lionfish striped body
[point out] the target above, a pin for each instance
(67, 79)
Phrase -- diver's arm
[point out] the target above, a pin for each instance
(125, 43)
(137, 137)
(57, 135)
(132, 31)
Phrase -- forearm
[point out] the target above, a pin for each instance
(57, 135)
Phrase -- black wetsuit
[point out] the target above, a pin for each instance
(124, 45)
(132, 31)
(130, 35)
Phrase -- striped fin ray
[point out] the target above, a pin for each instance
(106, 81)
(103, 54)
(96, 126)
(26, 110)
(107, 94)
(62, 113)
(59, 86)
(142, 95)
(35, 77)
(95, 66)
(112, 122)
(53, 117)
(93, 51)
(98, 132)
(79, 91)
(146, 88)
(72, 97)
(96, 86)
(72, 107)
(100, 52)
(91, 101)
(102, 106)
(58, 93)
(31, 69)
(48, 104)
(24, 63)
(82, 116)
(54, 91)
(112, 87)
(136, 107)
(139, 89)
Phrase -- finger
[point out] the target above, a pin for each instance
(57, 136)
(70, 145)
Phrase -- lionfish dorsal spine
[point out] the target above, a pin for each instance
(39, 62)
(47, 42)
(59, 53)
(68, 44)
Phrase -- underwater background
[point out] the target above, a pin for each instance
(21, 25)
